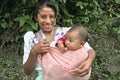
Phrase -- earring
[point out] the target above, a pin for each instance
(36, 24)
(55, 24)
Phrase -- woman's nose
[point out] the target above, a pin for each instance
(48, 20)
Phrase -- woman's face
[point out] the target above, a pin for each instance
(46, 19)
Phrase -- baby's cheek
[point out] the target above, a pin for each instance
(74, 47)
(70, 47)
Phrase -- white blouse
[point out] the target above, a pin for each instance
(30, 39)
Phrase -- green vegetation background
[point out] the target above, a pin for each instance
(102, 18)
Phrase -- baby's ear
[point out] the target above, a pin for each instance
(82, 43)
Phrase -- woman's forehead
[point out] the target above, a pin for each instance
(46, 10)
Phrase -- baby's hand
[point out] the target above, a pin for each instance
(60, 46)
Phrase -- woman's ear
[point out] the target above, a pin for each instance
(35, 18)
(55, 21)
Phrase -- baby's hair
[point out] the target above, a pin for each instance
(83, 33)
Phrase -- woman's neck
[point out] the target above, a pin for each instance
(49, 35)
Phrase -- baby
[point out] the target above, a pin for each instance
(74, 39)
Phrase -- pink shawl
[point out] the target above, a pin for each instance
(57, 65)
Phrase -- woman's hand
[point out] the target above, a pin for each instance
(83, 68)
(41, 48)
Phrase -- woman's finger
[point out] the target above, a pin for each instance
(83, 71)
(83, 74)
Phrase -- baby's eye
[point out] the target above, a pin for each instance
(71, 40)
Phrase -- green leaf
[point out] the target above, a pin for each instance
(64, 1)
(27, 17)
(7, 15)
(80, 4)
(23, 1)
(117, 1)
(21, 20)
(96, 3)
(4, 25)
(33, 26)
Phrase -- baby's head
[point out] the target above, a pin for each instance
(76, 37)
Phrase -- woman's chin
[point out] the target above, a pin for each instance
(48, 30)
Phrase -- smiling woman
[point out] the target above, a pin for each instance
(45, 15)
(46, 19)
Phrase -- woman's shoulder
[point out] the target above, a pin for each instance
(29, 35)
(62, 29)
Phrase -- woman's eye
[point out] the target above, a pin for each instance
(43, 16)
(52, 17)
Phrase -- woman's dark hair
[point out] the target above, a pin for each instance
(42, 4)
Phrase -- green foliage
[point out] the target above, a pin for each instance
(8, 69)
(102, 18)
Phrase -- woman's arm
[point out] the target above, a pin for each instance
(30, 63)
(91, 55)
(39, 48)
(31, 50)
(85, 66)
(28, 57)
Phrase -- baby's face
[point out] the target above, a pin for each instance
(72, 41)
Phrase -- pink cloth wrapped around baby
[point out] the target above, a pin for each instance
(58, 66)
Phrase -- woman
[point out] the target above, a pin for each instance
(45, 15)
